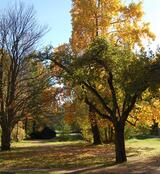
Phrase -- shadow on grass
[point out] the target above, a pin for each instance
(51, 171)
(147, 166)
(61, 156)
(144, 137)
(72, 157)
(7, 173)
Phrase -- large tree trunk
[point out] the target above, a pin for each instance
(120, 144)
(5, 138)
(94, 127)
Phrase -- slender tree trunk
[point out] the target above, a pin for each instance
(26, 126)
(120, 144)
(94, 127)
(111, 134)
(34, 127)
(17, 132)
(5, 137)
(108, 133)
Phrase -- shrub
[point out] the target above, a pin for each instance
(18, 133)
(140, 130)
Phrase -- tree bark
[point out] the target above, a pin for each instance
(120, 144)
(17, 132)
(26, 126)
(109, 135)
(5, 138)
(34, 127)
(94, 127)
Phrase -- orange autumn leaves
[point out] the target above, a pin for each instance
(69, 112)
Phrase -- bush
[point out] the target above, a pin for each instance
(87, 134)
(18, 133)
(141, 130)
(46, 133)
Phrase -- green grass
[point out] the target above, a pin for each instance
(33, 155)
(48, 154)
(146, 147)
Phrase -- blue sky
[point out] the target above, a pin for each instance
(55, 14)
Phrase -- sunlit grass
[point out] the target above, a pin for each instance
(44, 143)
(144, 148)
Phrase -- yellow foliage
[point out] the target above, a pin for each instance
(148, 111)
(112, 19)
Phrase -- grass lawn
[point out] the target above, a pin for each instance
(144, 148)
(50, 156)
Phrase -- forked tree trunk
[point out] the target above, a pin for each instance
(5, 138)
(120, 144)
(94, 127)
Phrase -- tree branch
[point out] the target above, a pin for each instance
(105, 116)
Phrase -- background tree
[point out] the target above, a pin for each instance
(43, 108)
(147, 111)
(19, 33)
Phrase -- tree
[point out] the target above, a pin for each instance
(116, 78)
(77, 111)
(42, 109)
(117, 22)
(19, 33)
(147, 111)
